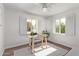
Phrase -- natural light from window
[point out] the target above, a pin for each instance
(60, 25)
(31, 25)
(44, 51)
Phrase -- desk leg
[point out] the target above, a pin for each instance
(32, 45)
(42, 42)
(46, 41)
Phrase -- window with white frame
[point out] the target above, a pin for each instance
(60, 25)
(31, 25)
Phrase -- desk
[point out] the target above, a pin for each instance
(43, 40)
(31, 44)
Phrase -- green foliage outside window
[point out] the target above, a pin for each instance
(60, 26)
(29, 26)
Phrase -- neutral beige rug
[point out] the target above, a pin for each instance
(44, 51)
(51, 50)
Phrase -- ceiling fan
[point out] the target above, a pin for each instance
(46, 6)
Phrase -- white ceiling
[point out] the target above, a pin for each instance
(36, 8)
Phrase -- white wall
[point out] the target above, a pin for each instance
(71, 38)
(12, 35)
(1, 29)
(48, 22)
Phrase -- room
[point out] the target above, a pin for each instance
(39, 29)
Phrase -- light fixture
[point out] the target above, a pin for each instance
(44, 7)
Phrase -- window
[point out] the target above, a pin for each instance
(60, 25)
(31, 25)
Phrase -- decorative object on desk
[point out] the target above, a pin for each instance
(45, 32)
(33, 33)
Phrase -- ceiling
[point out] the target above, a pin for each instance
(36, 8)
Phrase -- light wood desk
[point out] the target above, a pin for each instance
(31, 42)
(43, 41)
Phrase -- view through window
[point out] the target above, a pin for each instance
(60, 25)
(31, 25)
